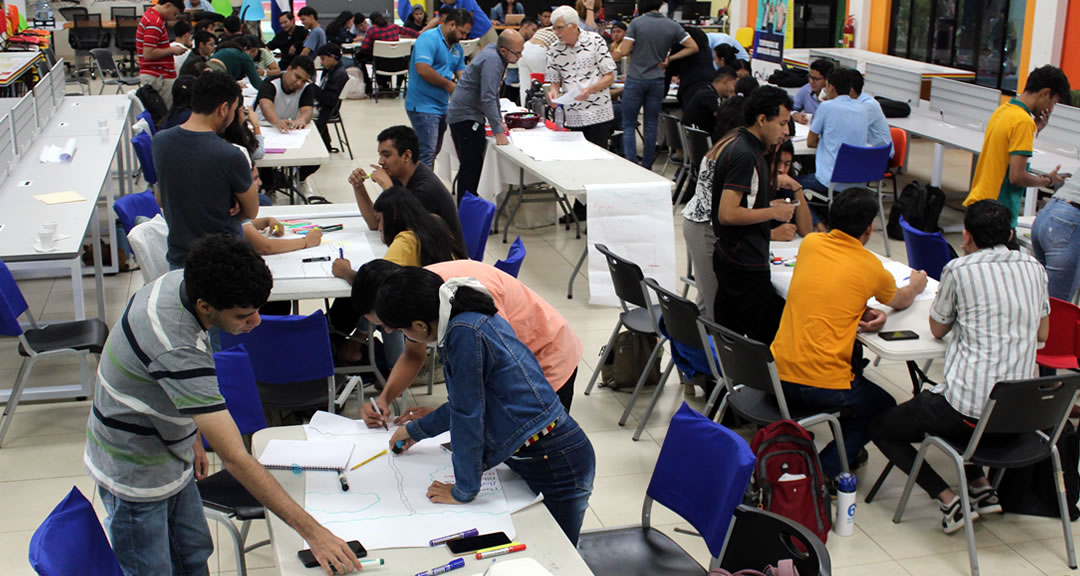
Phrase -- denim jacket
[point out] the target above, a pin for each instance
(498, 398)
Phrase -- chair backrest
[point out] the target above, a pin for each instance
(626, 278)
(7, 146)
(383, 49)
(743, 361)
(236, 380)
(145, 115)
(121, 11)
(701, 474)
(87, 30)
(760, 538)
(925, 251)
(514, 258)
(1064, 326)
(131, 206)
(861, 164)
(103, 58)
(287, 349)
(69, 12)
(150, 242)
(44, 102)
(476, 215)
(696, 144)
(12, 303)
(680, 316)
(894, 83)
(23, 124)
(144, 150)
(899, 144)
(126, 27)
(469, 47)
(71, 541)
(669, 128)
(1028, 406)
(963, 102)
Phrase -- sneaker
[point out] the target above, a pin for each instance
(985, 500)
(860, 460)
(953, 516)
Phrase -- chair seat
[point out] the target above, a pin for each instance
(762, 408)
(297, 396)
(225, 494)
(636, 551)
(87, 335)
(1057, 361)
(1008, 451)
(637, 320)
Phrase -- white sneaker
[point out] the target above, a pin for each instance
(985, 501)
(953, 516)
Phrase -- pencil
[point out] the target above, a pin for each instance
(368, 460)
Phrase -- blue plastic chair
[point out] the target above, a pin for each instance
(860, 165)
(144, 151)
(476, 216)
(130, 207)
(71, 541)
(925, 251)
(514, 258)
(145, 115)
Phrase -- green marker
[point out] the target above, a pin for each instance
(371, 563)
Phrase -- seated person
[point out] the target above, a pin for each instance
(701, 111)
(825, 310)
(289, 40)
(994, 302)
(877, 131)
(327, 93)
(807, 98)
(236, 57)
(504, 8)
(232, 26)
(417, 19)
(244, 133)
(287, 101)
(784, 186)
(265, 62)
(383, 31)
(839, 120)
(205, 44)
(181, 103)
(265, 234)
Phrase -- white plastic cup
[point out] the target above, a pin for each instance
(46, 239)
(103, 127)
(50, 228)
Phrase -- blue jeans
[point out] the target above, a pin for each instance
(159, 538)
(429, 129)
(637, 94)
(1057, 245)
(858, 407)
(561, 466)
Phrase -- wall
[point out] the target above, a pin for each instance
(1070, 47)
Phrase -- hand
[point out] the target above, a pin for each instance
(872, 320)
(357, 177)
(441, 493)
(177, 50)
(313, 238)
(552, 94)
(333, 554)
(411, 414)
(200, 462)
(283, 125)
(585, 94)
(1042, 120)
(782, 210)
(275, 227)
(501, 139)
(401, 434)
(783, 233)
(1055, 180)
(292, 49)
(800, 118)
(298, 124)
(663, 65)
(341, 268)
(787, 182)
(370, 416)
(917, 281)
(380, 177)
(253, 118)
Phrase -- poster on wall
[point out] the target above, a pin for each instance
(773, 30)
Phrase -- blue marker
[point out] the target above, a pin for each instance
(398, 446)
(341, 253)
(453, 565)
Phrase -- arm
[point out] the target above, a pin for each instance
(249, 201)
(804, 222)
(425, 71)
(730, 213)
(590, 14)
(266, 106)
(264, 245)
(1044, 329)
(1019, 175)
(401, 376)
(690, 48)
(812, 140)
(151, 37)
(906, 296)
(272, 69)
(363, 200)
(490, 86)
(251, 72)
(624, 49)
(939, 330)
(303, 118)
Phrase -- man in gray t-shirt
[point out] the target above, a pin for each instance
(649, 39)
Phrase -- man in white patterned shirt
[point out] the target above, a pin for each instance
(995, 302)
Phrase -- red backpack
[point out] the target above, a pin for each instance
(785, 448)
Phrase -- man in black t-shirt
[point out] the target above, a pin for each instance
(290, 40)
(701, 111)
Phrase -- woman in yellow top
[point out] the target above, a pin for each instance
(414, 236)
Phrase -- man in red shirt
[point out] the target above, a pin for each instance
(156, 68)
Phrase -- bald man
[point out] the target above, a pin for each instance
(476, 101)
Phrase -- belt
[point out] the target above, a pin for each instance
(1074, 205)
(536, 437)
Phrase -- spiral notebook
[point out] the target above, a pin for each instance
(287, 454)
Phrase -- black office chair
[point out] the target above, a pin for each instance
(759, 538)
(669, 129)
(122, 11)
(126, 28)
(70, 14)
(110, 73)
(696, 144)
(339, 129)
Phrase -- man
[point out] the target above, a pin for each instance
(384, 31)
(877, 129)
(476, 99)
(994, 302)
(694, 73)
(287, 101)
(528, 27)
(1002, 173)
(721, 39)
(746, 301)
(158, 394)
(839, 120)
(437, 60)
(806, 99)
(214, 198)
(327, 93)
(701, 111)
(544, 17)
(205, 46)
(232, 27)
(181, 38)
(481, 24)
(156, 67)
(316, 35)
(826, 308)
(203, 5)
(290, 40)
(648, 41)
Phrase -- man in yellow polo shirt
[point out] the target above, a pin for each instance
(1002, 172)
(835, 276)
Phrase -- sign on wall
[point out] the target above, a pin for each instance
(773, 32)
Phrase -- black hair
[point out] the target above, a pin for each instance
(725, 72)
(403, 139)
(459, 17)
(212, 89)
(225, 272)
(201, 37)
(182, 89)
(238, 41)
(232, 25)
(181, 27)
(823, 66)
(767, 101)
(308, 11)
(288, 14)
(730, 114)
(446, 10)
(727, 53)
(412, 295)
(238, 132)
(369, 278)
(620, 25)
(739, 64)
(857, 80)
(649, 5)
(544, 9)
(401, 211)
(989, 222)
(378, 19)
(424, 20)
(853, 210)
(529, 20)
(304, 63)
(178, 3)
(1049, 77)
(203, 25)
(338, 23)
(840, 80)
(774, 159)
(746, 85)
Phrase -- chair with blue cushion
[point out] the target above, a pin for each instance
(514, 258)
(71, 541)
(130, 207)
(476, 216)
(145, 115)
(926, 251)
(861, 165)
(144, 151)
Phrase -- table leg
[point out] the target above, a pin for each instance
(99, 277)
(110, 218)
(939, 165)
(577, 268)
(1031, 197)
(77, 287)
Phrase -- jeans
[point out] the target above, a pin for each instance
(159, 538)
(471, 143)
(429, 130)
(561, 466)
(1057, 245)
(637, 94)
(858, 407)
(819, 210)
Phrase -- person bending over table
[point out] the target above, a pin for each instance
(287, 102)
(700, 112)
(994, 302)
(236, 57)
(826, 309)
(500, 408)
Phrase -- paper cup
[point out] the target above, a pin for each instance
(50, 228)
(46, 240)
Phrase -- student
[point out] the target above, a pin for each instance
(694, 72)
(877, 130)
(327, 93)
(500, 407)
(265, 234)
(232, 27)
(994, 302)
(181, 102)
(265, 63)
(784, 186)
(729, 114)
(205, 45)
(287, 101)
(339, 30)
(481, 24)
(384, 31)
(700, 112)
(156, 65)
(182, 38)
(203, 5)
(289, 40)
(1001, 173)
(1056, 243)
(437, 60)
(159, 397)
(417, 20)
(502, 8)
(806, 99)
(316, 36)
(720, 39)
(235, 56)
(544, 16)
(839, 120)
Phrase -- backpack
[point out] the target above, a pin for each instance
(784, 567)
(1030, 490)
(152, 102)
(624, 365)
(920, 206)
(893, 108)
(786, 448)
(790, 78)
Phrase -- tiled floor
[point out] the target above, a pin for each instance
(42, 457)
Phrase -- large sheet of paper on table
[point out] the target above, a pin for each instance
(291, 265)
(274, 138)
(550, 146)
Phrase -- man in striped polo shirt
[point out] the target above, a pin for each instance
(156, 67)
(995, 303)
(158, 392)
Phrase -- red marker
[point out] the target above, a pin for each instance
(500, 552)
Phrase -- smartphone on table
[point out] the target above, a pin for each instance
(474, 543)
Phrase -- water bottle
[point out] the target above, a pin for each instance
(560, 117)
(845, 504)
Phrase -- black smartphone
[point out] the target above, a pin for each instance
(899, 335)
(447, 446)
(309, 561)
(474, 543)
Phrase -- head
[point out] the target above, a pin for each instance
(215, 96)
(857, 82)
(1045, 87)
(819, 73)
(418, 14)
(724, 81)
(398, 210)
(838, 83)
(528, 28)
(239, 133)
(742, 68)
(233, 26)
(309, 18)
(343, 21)
(329, 55)
(226, 282)
(510, 46)
(204, 24)
(853, 212)
(724, 55)
(409, 301)
(182, 89)
(399, 151)
(170, 10)
(564, 22)
(365, 288)
(618, 31)
(287, 21)
(987, 223)
(300, 71)
(730, 113)
(182, 32)
(544, 17)
(785, 155)
(378, 20)
(766, 113)
(649, 5)
(205, 43)
(456, 26)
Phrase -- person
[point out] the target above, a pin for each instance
(839, 120)
(783, 185)
(413, 236)
(512, 80)
(588, 13)
(700, 113)
(417, 20)
(181, 102)
(1055, 243)
(1001, 172)
(437, 60)
(316, 35)
(476, 99)
(235, 56)
(206, 201)
(648, 40)
(181, 38)
(580, 60)
(741, 210)
(265, 233)
(339, 30)
(544, 16)
(384, 31)
(807, 99)
(232, 27)
(500, 407)
(826, 309)
(159, 398)
(694, 73)
(618, 34)
(287, 101)
(327, 93)
(994, 303)
(265, 62)
(533, 61)
(202, 5)
(156, 65)
(721, 39)
(360, 27)
(877, 128)
(289, 40)
(205, 45)
(481, 25)
(245, 134)
(504, 7)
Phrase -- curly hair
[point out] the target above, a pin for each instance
(225, 272)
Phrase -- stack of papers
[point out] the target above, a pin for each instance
(549, 146)
(291, 139)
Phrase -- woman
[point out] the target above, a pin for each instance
(414, 236)
(503, 8)
(589, 12)
(181, 102)
(244, 133)
(1057, 244)
(499, 408)
(339, 31)
(782, 185)
(417, 19)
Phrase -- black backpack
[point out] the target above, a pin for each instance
(790, 78)
(153, 103)
(920, 206)
(893, 108)
(1030, 490)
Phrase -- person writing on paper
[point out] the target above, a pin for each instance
(500, 408)
(287, 102)
(265, 234)
(158, 397)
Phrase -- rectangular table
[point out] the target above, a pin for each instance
(312, 153)
(800, 57)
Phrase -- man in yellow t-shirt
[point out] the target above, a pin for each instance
(1002, 173)
(835, 276)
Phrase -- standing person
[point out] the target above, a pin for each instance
(481, 24)
(476, 99)
(327, 94)
(1002, 173)
(159, 397)
(648, 41)
(807, 98)
(417, 19)
(694, 73)
(1057, 244)
(287, 101)
(503, 8)
(156, 65)
(182, 38)
(316, 35)
(437, 60)
(290, 40)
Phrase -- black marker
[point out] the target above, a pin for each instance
(343, 481)
(320, 259)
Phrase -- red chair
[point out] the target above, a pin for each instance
(900, 143)
(1062, 346)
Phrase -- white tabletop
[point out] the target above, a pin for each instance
(534, 525)
(312, 153)
(801, 57)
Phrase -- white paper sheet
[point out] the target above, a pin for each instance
(551, 146)
(53, 154)
(291, 265)
(516, 567)
(322, 455)
(902, 273)
(292, 139)
(801, 132)
(569, 97)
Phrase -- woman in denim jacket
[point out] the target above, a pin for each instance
(500, 408)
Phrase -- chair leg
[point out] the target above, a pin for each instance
(641, 380)
(1066, 525)
(881, 214)
(345, 133)
(965, 505)
(603, 357)
(719, 417)
(689, 273)
(898, 516)
(655, 397)
(331, 394)
(237, 538)
(837, 432)
(880, 481)
(431, 374)
(16, 394)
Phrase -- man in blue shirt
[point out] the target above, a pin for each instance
(436, 61)
(878, 132)
(718, 38)
(838, 120)
(316, 36)
(481, 24)
(806, 99)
